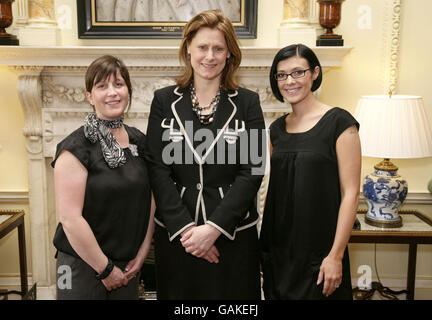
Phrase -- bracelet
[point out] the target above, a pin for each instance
(106, 272)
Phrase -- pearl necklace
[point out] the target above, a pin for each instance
(204, 118)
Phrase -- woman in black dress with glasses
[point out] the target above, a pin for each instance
(313, 189)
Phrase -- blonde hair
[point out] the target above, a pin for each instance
(216, 20)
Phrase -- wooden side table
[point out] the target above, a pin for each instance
(9, 220)
(416, 229)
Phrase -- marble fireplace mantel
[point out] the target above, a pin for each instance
(51, 92)
(144, 56)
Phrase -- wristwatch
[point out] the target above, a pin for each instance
(107, 271)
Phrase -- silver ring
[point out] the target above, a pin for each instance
(336, 286)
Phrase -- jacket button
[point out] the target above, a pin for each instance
(198, 186)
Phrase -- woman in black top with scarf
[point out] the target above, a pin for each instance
(103, 195)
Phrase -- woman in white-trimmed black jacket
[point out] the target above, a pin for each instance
(206, 165)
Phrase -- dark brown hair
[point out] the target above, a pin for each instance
(294, 50)
(102, 68)
(213, 19)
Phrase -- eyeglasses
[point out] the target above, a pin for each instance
(295, 75)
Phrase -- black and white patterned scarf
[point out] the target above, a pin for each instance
(96, 129)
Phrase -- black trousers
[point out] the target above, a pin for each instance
(76, 281)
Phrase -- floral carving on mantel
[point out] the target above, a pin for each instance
(265, 94)
(52, 90)
(142, 92)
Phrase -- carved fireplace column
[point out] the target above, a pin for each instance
(37, 23)
(300, 22)
(21, 15)
(30, 95)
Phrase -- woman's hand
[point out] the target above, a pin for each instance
(212, 255)
(115, 280)
(331, 273)
(133, 268)
(198, 240)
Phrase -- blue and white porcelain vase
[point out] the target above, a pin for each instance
(385, 190)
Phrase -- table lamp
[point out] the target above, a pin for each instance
(397, 127)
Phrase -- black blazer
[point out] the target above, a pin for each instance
(208, 175)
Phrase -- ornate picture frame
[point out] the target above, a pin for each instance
(90, 26)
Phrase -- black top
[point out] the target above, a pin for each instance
(117, 201)
(302, 206)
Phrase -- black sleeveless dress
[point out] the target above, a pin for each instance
(300, 217)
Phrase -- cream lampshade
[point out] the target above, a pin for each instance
(390, 127)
